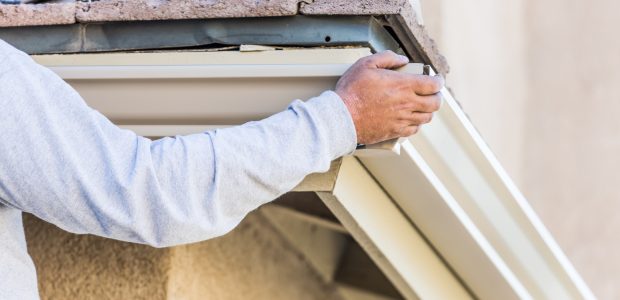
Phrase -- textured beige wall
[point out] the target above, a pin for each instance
(87, 267)
(573, 150)
(484, 43)
(252, 262)
(255, 262)
(541, 80)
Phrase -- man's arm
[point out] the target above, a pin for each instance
(70, 166)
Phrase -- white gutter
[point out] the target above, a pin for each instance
(453, 188)
(446, 181)
(388, 237)
(160, 94)
(199, 71)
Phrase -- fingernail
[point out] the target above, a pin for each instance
(404, 58)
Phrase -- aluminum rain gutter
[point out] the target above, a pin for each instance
(388, 236)
(449, 183)
(442, 219)
(158, 94)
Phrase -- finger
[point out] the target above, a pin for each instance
(409, 131)
(427, 104)
(417, 118)
(424, 85)
(386, 60)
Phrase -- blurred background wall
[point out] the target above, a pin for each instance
(541, 81)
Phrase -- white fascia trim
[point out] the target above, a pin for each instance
(452, 187)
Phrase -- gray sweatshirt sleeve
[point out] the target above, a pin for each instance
(67, 164)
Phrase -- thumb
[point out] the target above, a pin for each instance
(387, 60)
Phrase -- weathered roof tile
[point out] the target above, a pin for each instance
(403, 8)
(347, 7)
(428, 45)
(37, 14)
(132, 10)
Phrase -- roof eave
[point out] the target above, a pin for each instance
(399, 15)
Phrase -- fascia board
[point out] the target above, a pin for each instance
(452, 187)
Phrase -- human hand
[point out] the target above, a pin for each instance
(384, 103)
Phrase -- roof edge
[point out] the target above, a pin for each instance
(59, 13)
(145, 10)
(70, 12)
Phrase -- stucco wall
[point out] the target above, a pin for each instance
(483, 42)
(541, 79)
(252, 262)
(573, 118)
(87, 267)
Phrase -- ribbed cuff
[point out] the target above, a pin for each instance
(333, 113)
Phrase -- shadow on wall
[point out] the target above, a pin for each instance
(252, 262)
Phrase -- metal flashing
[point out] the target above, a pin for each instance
(363, 31)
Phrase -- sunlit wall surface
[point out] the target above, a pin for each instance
(541, 81)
